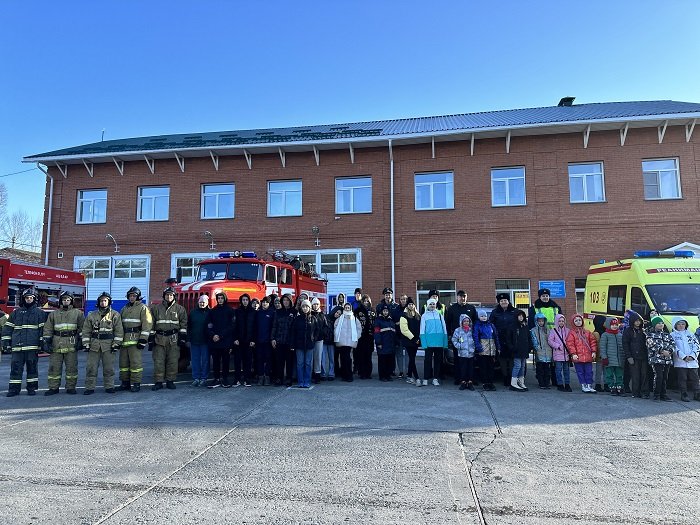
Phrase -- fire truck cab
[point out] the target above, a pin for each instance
(236, 273)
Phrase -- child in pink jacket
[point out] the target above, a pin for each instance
(557, 340)
(583, 348)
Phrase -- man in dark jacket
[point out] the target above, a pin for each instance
(22, 334)
(281, 342)
(395, 312)
(264, 318)
(243, 341)
(454, 311)
(222, 323)
(503, 318)
(634, 343)
(198, 323)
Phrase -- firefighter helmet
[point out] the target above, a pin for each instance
(27, 292)
(64, 295)
(134, 290)
(171, 290)
(107, 295)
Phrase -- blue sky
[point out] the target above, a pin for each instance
(72, 68)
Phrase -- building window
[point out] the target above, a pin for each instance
(94, 268)
(130, 268)
(92, 206)
(518, 291)
(508, 186)
(353, 195)
(153, 203)
(218, 201)
(586, 182)
(284, 198)
(447, 292)
(339, 262)
(661, 179)
(187, 262)
(434, 191)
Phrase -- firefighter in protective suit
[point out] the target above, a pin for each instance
(22, 334)
(61, 339)
(102, 335)
(137, 323)
(169, 332)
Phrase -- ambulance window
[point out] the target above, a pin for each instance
(616, 299)
(639, 302)
(271, 274)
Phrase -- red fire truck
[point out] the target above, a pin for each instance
(49, 282)
(236, 273)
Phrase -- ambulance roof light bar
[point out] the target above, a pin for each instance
(237, 254)
(646, 254)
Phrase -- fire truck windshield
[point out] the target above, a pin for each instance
(241, 271)
(675, 298)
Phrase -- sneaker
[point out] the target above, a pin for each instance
(225, 383)
(410, 381)
(425, 382)
(470, 386)
(246, 383)
(463, 386)
(436, 382)
(214, 383)
(236, 384)
(195, 382)
(419, 382)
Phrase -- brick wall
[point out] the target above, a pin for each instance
(474, 243)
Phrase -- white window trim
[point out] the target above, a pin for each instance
(175, 256)
(585, 193)
(218, 194)
(508, 204)
(318, 253)
(432, 192)
(80, 201)
(301, 193)
(678, 179)
(141, 198)
(352, 194)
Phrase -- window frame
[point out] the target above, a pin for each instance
(202, 195)
(432, 207)
(583, 176)
(614, 294)
(423, 287)
(141, 198)
(658, 172)
(351, 189)
(507, 203)
(80, 200)
(301, 197)
(338, 264)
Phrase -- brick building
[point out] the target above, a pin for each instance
(494, 201)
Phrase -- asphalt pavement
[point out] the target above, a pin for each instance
(361, 452)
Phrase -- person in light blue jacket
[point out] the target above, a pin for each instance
(433, 338)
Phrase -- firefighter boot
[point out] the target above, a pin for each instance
(124, 387)
(136, 387)
(51, 391)
(157, 386)
(170, 385)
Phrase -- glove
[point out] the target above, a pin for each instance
(605, 361)
(182, 339)
(115, 347)
(142, 344)
(152, 338)
(86, 348)
(630, 360)
(45, 346)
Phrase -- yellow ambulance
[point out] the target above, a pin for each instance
(665, 281)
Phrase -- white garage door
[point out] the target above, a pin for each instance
(342, 268)
(115, 274)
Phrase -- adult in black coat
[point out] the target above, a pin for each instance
(222, 324)
(503, 318)
(244, 341)
(454, 311)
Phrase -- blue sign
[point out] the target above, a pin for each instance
(557, 288)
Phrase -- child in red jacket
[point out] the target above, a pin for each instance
(583, 349)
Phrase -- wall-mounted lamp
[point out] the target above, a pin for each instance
(116, 246)
(212, 244)
(315, 230)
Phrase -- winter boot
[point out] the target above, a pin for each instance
(124, 387)
(515, 385)
(567, 388)
(521, 384)
(560, 388)
(684, 397)
(606, 388)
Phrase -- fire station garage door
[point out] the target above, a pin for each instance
(342, 268)
(115, 275)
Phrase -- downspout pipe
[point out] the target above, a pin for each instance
(391, 216)
(48, 220)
